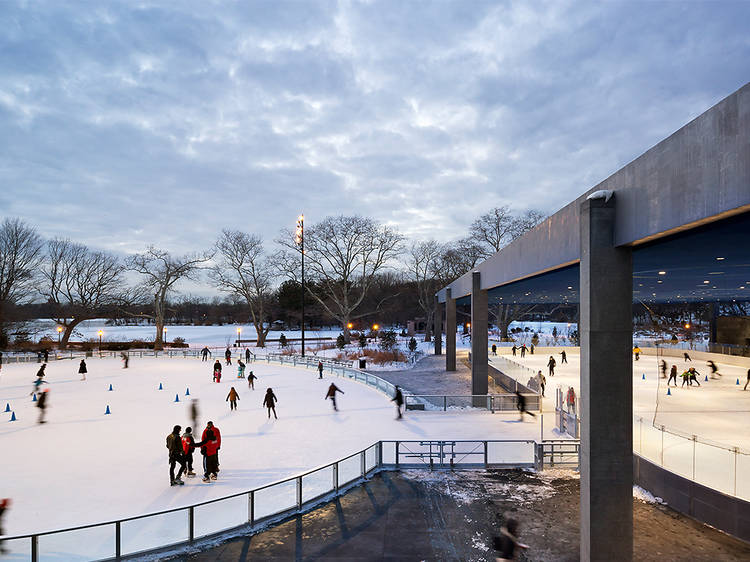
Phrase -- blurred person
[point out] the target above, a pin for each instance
(82, 369)
(332, 390)
(398, 398)
(41, 403)
(507, 542)
(521, 405)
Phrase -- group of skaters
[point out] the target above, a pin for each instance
(182, 447)
(205, 353)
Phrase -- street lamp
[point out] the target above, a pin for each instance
(100, 333)
(164, 329)
(59, 333)
(299, 238)
(239, 332)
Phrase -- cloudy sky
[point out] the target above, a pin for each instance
(129, 123)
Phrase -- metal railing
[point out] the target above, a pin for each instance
(715, 465)
(253, 510)
(491, 402)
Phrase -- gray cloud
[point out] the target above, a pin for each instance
(159, 122)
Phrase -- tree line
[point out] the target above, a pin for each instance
(356, 270)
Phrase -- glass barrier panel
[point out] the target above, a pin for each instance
(154, 531)
(678, 455)
(510, 453)
(18, 550)
(714, 467)
(317, 483)
(220, 515)
(371, 457)
(349, 469)
(651, 441)
(389, 452)
(743, 469)
(85, 544)
(637, 441)
(457, 402)
(276, 499)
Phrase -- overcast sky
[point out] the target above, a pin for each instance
(129, 123)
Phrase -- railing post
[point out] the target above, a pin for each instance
(118, 540)
(363, 463)
(336, 476)
(736, 451)
(694, 440)
(379, 459)
(34, 548)
(251, 507)
(445, 403)
(661, 455)
(191, 523)
(299, 492)
(397, 453)
(485, 454)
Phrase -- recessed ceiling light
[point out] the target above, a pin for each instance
(719, 259)
(570, 287)
(706, 282)
(742, 287)
(662, 273)
(660, 281)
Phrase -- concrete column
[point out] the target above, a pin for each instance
(450, 331)
(606, 329)
(478, 336)
(438, 332)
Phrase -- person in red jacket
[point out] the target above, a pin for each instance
(217, 434)
(188, 446)
(209, 446)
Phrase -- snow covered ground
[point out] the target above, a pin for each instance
(85, 467)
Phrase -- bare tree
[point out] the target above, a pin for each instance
(161, 272)
(20, 256)
(343, 255)
(425, 263)
(498, 227)
(245, 272)
(81, 283)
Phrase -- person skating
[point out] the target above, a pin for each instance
(694, 376)
(513, 349)
(570, 399)
(209, 447)
(217, 436)
(269, 401)
(247, 355)
(507, 543)
(188, 448)
(194, 411)
(251, 380)
(748, 380)
(217, 371)
(687, 357)
(663, 369)
(672, 375)
(46, 355)
(228, 356)
(41, 403)
(176, 456)
(521, 405)
(685, 378)
(232, 398)
(551, 364)
(542, 381)
(205, 352)
(240, 369)
(125, 359)
(332, 390)
(42, 371)
(563, 357)
(82, 369)
(398, 398)
(4, 506)
(494, 349)
(637, 352)
(320, 369)
(715, 374)
(523, 350)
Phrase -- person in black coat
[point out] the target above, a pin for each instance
(176, 456)
(398, 398)
(228, 356)
(269, 401)
(82, 370)
(41, 403)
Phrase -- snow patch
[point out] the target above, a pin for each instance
(646, 497)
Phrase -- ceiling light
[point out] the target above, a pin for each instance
(719, 259)
(706, 282)
(662, 273)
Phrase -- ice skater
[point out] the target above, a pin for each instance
(523, 350)
(188, 448)
(748, 380)
(232, 398)
(663, 369)
(82, 369)
(398, 398)
(209, 447)
(41, 403)
(269, 401)
(4, 506)
(570, 399)
(693, 376)
(521, 405)
(240, 369)
(687, 357)
(217, 371)
(332, 390)
(563, 357)
(551, 364)
(228, 356)
(46, 355)
(320, 369)
(494, 349)
(194, 411)
(251, 380)
(685, 378)
(125, 359)
(715, 374)
(247, 355)
(542, 381)
(507, 543)
(672, 375)
(217, 437)
(205, 352)
(637, 352)
(176, 456)
(513, 349)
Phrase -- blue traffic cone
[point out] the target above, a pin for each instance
(7, 407)
(669, 392)
(738, 382)
(644, 376)
(176, 397)
(34, 398)
(110, 387)
(107, 411)
(160, 387)
(187, 392)
(706, 379)
(13, 417)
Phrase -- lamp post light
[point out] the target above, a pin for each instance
(164, 330)
(59, 333)
(100, 333)
(375, 328)
(299, 238)
(239, 333)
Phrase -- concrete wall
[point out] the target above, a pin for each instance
(726, 513)
(734, 330)
(698, 174)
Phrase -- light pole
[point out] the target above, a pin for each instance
(164, 329)
(239, 332)
(375, 328)
(299, 238)
(100, 333)
(59, 333)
